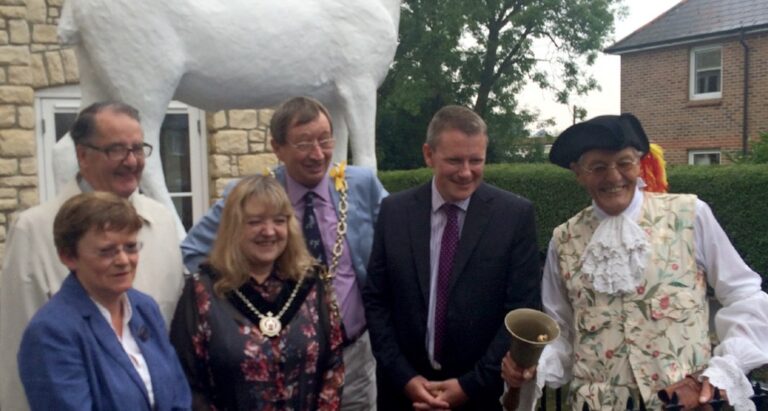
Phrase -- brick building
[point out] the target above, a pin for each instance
(39, 98)
(686, 74)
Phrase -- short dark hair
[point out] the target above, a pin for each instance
(295, 112)
(85, 124)
(454, 118)
(100, 210)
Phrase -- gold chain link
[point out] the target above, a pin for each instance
(338, 248)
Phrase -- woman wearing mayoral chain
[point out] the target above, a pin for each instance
(258, 327)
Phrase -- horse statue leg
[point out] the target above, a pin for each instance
(359, 100)
(153, 178)
(340, 130)
(65, 165)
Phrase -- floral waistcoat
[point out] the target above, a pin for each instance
(644, 340)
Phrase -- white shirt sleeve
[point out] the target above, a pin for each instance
(742, 322)
(556, 362)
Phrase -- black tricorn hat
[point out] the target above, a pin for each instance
(609, 132)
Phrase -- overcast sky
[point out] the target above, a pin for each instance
(606, 70)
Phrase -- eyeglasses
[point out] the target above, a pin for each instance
(119, 152)
(307, 146)
(110, 253)
(601, 169)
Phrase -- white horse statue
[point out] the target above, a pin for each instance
(224, 54)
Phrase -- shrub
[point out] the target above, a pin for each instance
(737, 194)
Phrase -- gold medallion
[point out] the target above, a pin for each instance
(269, 325)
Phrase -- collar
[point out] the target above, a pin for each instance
(84, 185)
(135, 198)
(632, 212)
(438, 200)
(296, 191)
(124, 304)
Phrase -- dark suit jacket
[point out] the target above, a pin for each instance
(496, 269)
(71, 359)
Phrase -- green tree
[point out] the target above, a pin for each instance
(480, 54)
(758, 151)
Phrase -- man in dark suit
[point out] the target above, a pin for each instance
(450, 258)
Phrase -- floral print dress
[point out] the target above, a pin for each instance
(230, 365)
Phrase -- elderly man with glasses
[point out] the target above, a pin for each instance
(111, 152)
(626, 279)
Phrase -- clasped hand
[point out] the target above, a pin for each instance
(435, 395)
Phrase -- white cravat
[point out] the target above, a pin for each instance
(616, 256)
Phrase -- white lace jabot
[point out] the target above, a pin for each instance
(616, 256)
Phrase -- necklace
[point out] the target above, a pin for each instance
(340, 182)
(269, 324)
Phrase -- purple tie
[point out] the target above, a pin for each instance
(448, 245)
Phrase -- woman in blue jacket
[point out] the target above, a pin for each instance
(98, 344)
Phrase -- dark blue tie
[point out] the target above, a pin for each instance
(312, 230)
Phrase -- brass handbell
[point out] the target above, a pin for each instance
(530, 331)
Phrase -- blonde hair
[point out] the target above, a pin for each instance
(454, 118)
(227, 257)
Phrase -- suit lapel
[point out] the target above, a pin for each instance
(102, 331)
(335, 197)
(419, 213)
(475, 222)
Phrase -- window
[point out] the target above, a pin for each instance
(703, 157)
(706, 73)
(181, 147)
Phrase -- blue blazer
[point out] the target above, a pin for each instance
(71, 359)
(365, 195)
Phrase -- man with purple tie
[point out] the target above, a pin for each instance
(450, 258)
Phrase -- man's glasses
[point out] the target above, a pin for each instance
(119, 152)
(307, 146)
(110, 253)
(601, 169)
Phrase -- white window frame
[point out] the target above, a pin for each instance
(692, 88)
(198, 154)
(693, 153)
(54, 100)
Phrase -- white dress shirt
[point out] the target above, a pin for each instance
(437, 226)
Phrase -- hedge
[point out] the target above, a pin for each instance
(738, 195)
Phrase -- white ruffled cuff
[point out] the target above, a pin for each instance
(725, 374)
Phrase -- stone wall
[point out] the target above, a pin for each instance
(31, 59)
(239, 146)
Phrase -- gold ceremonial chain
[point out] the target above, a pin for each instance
(269, 324)
(340, 183)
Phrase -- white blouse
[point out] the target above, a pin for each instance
(129, 344)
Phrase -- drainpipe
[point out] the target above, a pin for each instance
(745, 112)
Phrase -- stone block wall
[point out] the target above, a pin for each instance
(31, 59)
(238, 142)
